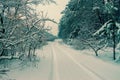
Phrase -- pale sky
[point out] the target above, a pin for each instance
(54, 12)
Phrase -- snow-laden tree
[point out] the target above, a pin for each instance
(81, 18)
(110, 29)
(84, 17)
(20, 26)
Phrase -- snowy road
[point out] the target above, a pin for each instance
(71, 65)
(68, 68)
(60, 62)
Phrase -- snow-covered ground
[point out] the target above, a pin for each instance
(42, 70)
(61, 62)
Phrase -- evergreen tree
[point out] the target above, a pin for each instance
(111, 27)
(80, 18)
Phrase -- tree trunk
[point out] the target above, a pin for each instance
(114, 42)
(29, 53)
(114, 52)
(34, 50)
(96, 52)
(2, 31)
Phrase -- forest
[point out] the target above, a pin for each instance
(93, 24)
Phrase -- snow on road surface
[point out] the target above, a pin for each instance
(59, 62)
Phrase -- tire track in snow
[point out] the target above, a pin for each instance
(94, 75)
(55, 66)
(52, 66)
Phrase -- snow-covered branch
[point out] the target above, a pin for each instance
(47, 19)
